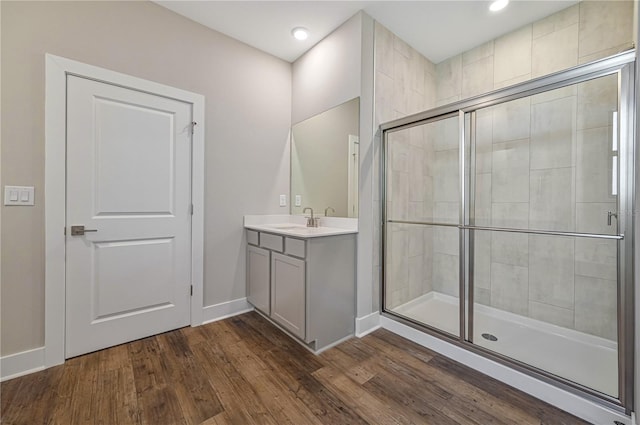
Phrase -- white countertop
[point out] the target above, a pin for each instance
(295, 225)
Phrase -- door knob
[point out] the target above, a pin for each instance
(80, 230)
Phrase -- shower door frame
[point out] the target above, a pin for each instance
(623, 65)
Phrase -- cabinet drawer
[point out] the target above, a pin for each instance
(273, 242)
(252, 237)
(295, 247)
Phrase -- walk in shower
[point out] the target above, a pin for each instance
(507, 226)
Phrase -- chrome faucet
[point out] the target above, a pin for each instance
(311, 222)
(326, 211)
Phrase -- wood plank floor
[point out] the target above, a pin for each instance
(243, 370)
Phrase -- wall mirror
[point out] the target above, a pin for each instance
(324, 162)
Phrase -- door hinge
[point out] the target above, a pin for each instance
(191, 209)
(65, 230)
(192, 290)
(193, 126)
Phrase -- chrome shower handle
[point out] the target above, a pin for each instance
(609, 215)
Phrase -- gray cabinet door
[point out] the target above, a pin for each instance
(258, 263)
(288, 293)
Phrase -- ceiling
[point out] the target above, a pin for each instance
(437, 29)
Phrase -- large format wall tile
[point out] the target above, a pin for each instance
(593, 165)
(591, 217)
(384, 97)
(510, 288)
(510, 177)
(446, 179)
(551, 95)
(416, 174)
(398, 150)
(402, 47)
(384, 50)
(446, 212)
(482, 201)
(551, 314)
(511, 120)
(477, 77)
(482, 259)
(512, 55)
(416, 72)
(510, 214)
(555, 51)
(484, 140)
(482, 296)
(416, 241)
(510, 248)
(557, 21)
(446, 134)
(398, 196)
(597, 258)
(401, 80)
(596, 305)
(416, 276)
(551, 266)
(604, 24)
(552, 200)
(446, 240)
(481, 52)
(445, 274)
(449, 78)
(597, 100)
(553, 133)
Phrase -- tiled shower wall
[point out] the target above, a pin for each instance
(559, 280)
(582, 33)
(405, 84)
(544, 162)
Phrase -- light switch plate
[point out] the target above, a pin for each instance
(283, 200)
(19, 195)
(298, 200)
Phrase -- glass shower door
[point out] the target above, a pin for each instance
(422, 215)
(544, 232)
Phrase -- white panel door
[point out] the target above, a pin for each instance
(129, 179)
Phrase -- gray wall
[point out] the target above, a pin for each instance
(248, 115)
(338, 69)
(328, 74)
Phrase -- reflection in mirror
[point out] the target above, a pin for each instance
(324, 162)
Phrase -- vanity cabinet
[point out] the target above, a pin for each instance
(304, 285)
(288, 293)
(258, 269)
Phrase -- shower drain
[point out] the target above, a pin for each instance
(489, 337)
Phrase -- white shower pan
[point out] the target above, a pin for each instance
(582, 358)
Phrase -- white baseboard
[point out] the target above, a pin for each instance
(23, 363)
(367, 324)
(555, 396)
(213, 313)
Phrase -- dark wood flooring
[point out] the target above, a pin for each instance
(243, 370)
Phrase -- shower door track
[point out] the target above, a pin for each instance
(621, 64)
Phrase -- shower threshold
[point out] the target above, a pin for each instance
(583, 358)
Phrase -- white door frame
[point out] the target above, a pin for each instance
(57, 69)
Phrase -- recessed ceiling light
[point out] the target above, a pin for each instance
(498, 5)
(300, 33)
